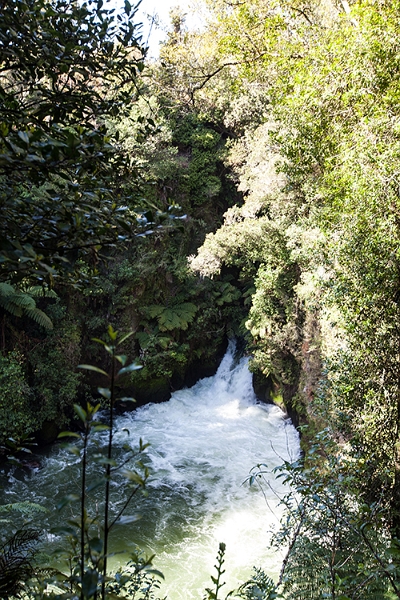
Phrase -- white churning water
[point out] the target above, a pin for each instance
(203, 443)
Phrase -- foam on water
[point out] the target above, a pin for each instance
(203, 443)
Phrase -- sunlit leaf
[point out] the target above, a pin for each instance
(130, 368)
(68, 434)
(101, 427)
(112, 333)
(122, 358)
(133, 476)
(81, 412)
(93, 368)
(125, 337)
(99, 341)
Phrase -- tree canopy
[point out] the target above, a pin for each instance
(66, 68)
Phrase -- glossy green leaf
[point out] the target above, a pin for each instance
(63, 434)
(112, 333)
(90, 583)
(121, 358)
(81, 412)
(97, 428)
(99, 341)
(125, 337)
(130, 368)
(93, 368)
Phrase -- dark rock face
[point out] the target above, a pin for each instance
(156, 390)
(48, 433)
(263, 387)
(269, 392)
(199, 369)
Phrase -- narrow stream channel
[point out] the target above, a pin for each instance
(203, 443)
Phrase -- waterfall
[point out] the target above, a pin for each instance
(203, 443)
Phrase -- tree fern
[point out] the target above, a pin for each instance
(15, 562)
(6, 289)
(173, 317)
(22, 303)
(26, 508)
(39, 291)
(40, 317)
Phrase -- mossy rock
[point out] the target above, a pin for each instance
(156, 389)
(264, 387)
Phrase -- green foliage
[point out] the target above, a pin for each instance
(146, 138)
(137, 580)
(317, 239)
(199, 181)
(318, 235)
(337, 545)
(258, 587)
(177, 318)
(65, 67)
(196, 180)
(225, 293)
(26, 511)
(17, 415)
(19, 303)
(15, 562)
(308, 263)
(54, 381)
(259, 248)
(217, 581)
(173, 317)
(87, 533)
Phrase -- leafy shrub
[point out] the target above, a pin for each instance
(16, 415)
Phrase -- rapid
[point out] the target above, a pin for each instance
(203, 444)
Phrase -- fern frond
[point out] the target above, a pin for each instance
(20, 303)
(155, 310)
(14, 301)
(20, 543)
(10, 306)
(38, 291)
(23, 300)
(40, 317)
(26, 508)
(173, 317)
(15, 566)
(6, 289)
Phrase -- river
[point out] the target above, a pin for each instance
(203, 443)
